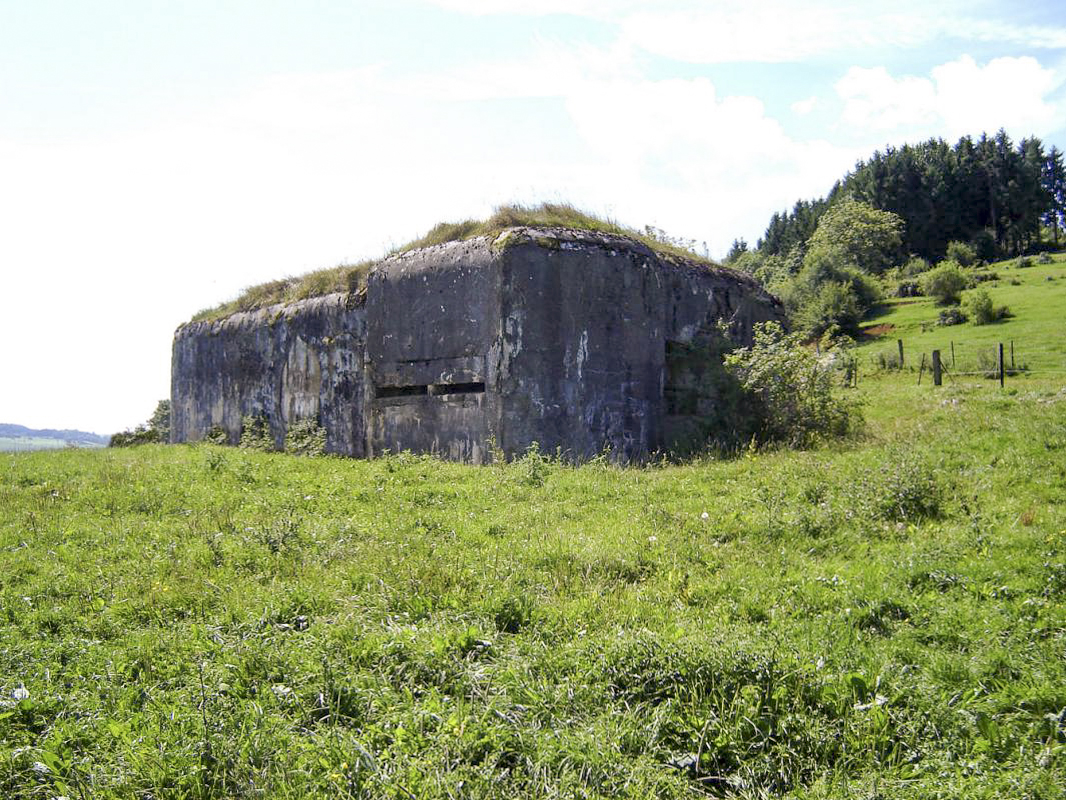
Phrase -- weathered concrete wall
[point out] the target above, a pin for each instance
(587, 322)
(431, 322)
(561, 338)
(284, 363)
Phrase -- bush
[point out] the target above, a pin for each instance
(306, 437)
(217, 435)
(794, 395)
(255, 434)
(961, 253)
(155, 431)
(137, 436)
(889, 360)
(908, 289)
(831, 308)
(981, 309)
(945, 283)
(1044, 258)
(906, 489)
(951, 316)
(1023, 262)
(915, 266)
(830, 297)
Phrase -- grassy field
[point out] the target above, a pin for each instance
(1036, 296)
(883, 619)
(20, 443)
(17, 444)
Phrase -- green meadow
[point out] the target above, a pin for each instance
(20, 443)
(1035, 296)
(883, 618)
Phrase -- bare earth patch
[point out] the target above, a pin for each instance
(879, 330)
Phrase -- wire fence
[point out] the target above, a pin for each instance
(960, 359)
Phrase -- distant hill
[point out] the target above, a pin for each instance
(19, 437)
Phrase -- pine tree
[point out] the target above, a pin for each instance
(1030, 199)
(1053, 179)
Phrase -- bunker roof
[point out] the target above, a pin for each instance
(543, 224)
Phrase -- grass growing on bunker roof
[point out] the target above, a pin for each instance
(351, 277)
(341, 278)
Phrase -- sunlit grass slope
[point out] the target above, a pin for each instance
(884, 619)
(1036, 297)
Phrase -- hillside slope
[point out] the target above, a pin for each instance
(1036, 297)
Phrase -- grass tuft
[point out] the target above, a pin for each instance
(352, 277)
(342, 278)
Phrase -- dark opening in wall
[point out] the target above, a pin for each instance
(436, 389)
(680, 385)
(401, 391)
(457, 388)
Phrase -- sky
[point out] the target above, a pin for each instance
(158, 156)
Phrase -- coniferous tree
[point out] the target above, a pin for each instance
(1053, 179)
(736, 250)
(1029, 197)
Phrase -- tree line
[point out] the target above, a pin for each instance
(989, 192)
(886, 224)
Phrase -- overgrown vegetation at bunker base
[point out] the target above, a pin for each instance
(580, 339)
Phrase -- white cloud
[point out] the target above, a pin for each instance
(670, 152)
(780, 31)
(1004, 30)
(804, 107)
(585, 8)
(959, 97)
(874, 99)
(769, 32)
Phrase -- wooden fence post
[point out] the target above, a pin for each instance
(936, 368)
(1012, 354)
(900, 343)
(953, 355)
(921, 369)
(1001, 365)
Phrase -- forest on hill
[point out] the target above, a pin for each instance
(904, 220)
(988, 192)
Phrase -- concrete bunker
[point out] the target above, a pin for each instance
(579, 341)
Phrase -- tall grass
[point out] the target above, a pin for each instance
(884, 618)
